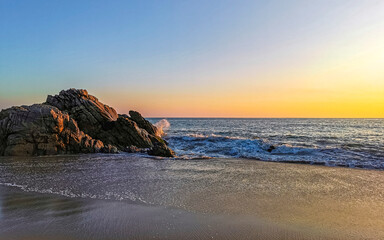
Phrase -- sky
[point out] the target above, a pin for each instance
(198, 58)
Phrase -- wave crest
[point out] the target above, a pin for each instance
(213, 146)
(162, 126)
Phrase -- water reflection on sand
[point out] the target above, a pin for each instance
(130, 196)
(43, 216)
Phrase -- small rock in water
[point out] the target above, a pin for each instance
(271, 148)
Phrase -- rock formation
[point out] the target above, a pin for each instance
(75, 122)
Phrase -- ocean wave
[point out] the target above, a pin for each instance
(197, 145)
(222, 146)
(162, 126)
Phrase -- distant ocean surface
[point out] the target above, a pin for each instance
(332, 142)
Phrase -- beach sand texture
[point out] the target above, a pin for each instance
(178, 199)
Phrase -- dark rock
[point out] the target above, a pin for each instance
(42, 130)
(75, 122)
(271, 148)
(125, 132)
(109, 149)
(161, 150)
(143, 123)
(133, 149)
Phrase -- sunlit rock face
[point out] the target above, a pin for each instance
(42, 129)
(86, 109)
(75, 122)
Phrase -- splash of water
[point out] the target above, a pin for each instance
(162, 126)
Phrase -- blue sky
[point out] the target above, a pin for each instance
(130, 51)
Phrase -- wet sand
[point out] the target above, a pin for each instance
(45, 216)
(219, 199)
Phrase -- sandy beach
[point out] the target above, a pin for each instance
(41, 216)
(218, 199)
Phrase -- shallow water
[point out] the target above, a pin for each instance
(308, 199)
(45, 216)
(333, 142)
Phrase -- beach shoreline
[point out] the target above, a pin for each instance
(250, 199)
(29, 215)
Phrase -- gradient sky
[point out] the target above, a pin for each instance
(198, 58)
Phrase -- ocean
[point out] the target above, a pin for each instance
(332, 142)
(226, 183)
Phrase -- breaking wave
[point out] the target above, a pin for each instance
(162, 126)
(215, 146)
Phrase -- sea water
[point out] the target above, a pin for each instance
(217, 171)
(331, 142)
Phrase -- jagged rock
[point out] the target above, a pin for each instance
(160, 150)
(75, 122)
(124, 132)
(102, 122)
(90, 114)
(143, 123)
(42, 130)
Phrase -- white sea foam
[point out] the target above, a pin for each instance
(68, 193)
(199, 145)
(162, 126)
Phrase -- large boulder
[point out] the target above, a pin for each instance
(42, 130)
(75, 122)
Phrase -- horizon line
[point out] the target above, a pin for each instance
(277, 117)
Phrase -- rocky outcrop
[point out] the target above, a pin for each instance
(143, 123)
(90, 114)
(75, 122)
(42, 130)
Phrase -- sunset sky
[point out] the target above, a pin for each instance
(198, 58)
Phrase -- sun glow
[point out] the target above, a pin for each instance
(318, 59)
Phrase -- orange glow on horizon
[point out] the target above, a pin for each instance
(275, 103)
(344, 82)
